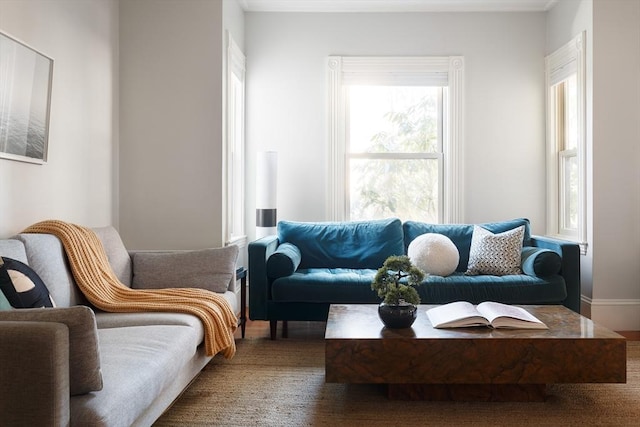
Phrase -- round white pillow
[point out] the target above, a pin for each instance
(434, 254)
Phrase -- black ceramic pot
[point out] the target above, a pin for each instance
(397, 316)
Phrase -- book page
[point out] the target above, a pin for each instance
(455, 315)
(509, 316)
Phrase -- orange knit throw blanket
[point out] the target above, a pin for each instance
(97, 281)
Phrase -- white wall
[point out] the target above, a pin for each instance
(233, 21)
(77, 182)
(610, 269)
(171, 123)
(565, 21)
(504, 123)
(616, 162)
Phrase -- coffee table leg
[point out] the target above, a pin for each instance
(468, 392)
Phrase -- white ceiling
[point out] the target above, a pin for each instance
(397, 5)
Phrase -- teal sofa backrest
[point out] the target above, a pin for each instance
(354, 244)
(461, 234)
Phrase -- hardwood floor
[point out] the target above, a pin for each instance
(260, 329)
(630, 335)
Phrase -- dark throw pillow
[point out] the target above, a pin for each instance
(22, 287)
(284, 261)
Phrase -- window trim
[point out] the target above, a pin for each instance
(444, 68)
(235, 65)
(559, 65)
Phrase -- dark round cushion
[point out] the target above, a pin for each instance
(22, 287)
(540, 262)
(284, 261)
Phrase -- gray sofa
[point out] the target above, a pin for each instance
(74, 365)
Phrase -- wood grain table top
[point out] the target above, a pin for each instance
(359, 349)
(361, 321)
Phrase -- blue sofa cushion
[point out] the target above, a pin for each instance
(284, 261)
(353, 244)
(353, 286)
(510, 289)
(461, 234)
(326, 285)
(540, 262)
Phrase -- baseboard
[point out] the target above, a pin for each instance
(615, 314)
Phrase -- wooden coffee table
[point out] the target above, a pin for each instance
(479, 363)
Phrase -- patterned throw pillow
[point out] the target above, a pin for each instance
(21, 286)
(4, 303)
(495, 254)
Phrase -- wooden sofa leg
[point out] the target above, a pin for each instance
(274, 327)
(285, 329)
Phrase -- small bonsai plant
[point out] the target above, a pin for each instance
(387, 281)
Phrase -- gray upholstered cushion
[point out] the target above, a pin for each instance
(211, 269)
(84, 355)
(47, 258)
(140, 361)
(117, 254)
(13, 249)
(106, 320)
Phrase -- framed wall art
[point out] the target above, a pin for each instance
(25, 101)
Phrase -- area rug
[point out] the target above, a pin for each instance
(281, 383)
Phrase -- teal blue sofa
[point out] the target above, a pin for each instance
(298, 273)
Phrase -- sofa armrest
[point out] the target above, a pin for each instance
(259, 285)
(570, 269)
(83, 347)
(35, 373)
(212, 269)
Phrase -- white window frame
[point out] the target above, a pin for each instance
(447, 70)
(560, 65)
(234, 148)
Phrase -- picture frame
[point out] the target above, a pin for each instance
(26, 77)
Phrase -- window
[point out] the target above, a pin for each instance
(566, 136)
(394, 152)
(566, 143)
(234, 147)
(395, 131)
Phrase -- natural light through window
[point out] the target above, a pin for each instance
(394, 152)
(395, 135)
(566, 185)
(567, 139)
(235, 145)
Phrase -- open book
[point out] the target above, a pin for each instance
(462, 314)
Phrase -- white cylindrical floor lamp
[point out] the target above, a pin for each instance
(266, 179)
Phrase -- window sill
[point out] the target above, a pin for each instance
(240, 241)
(583, 245)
